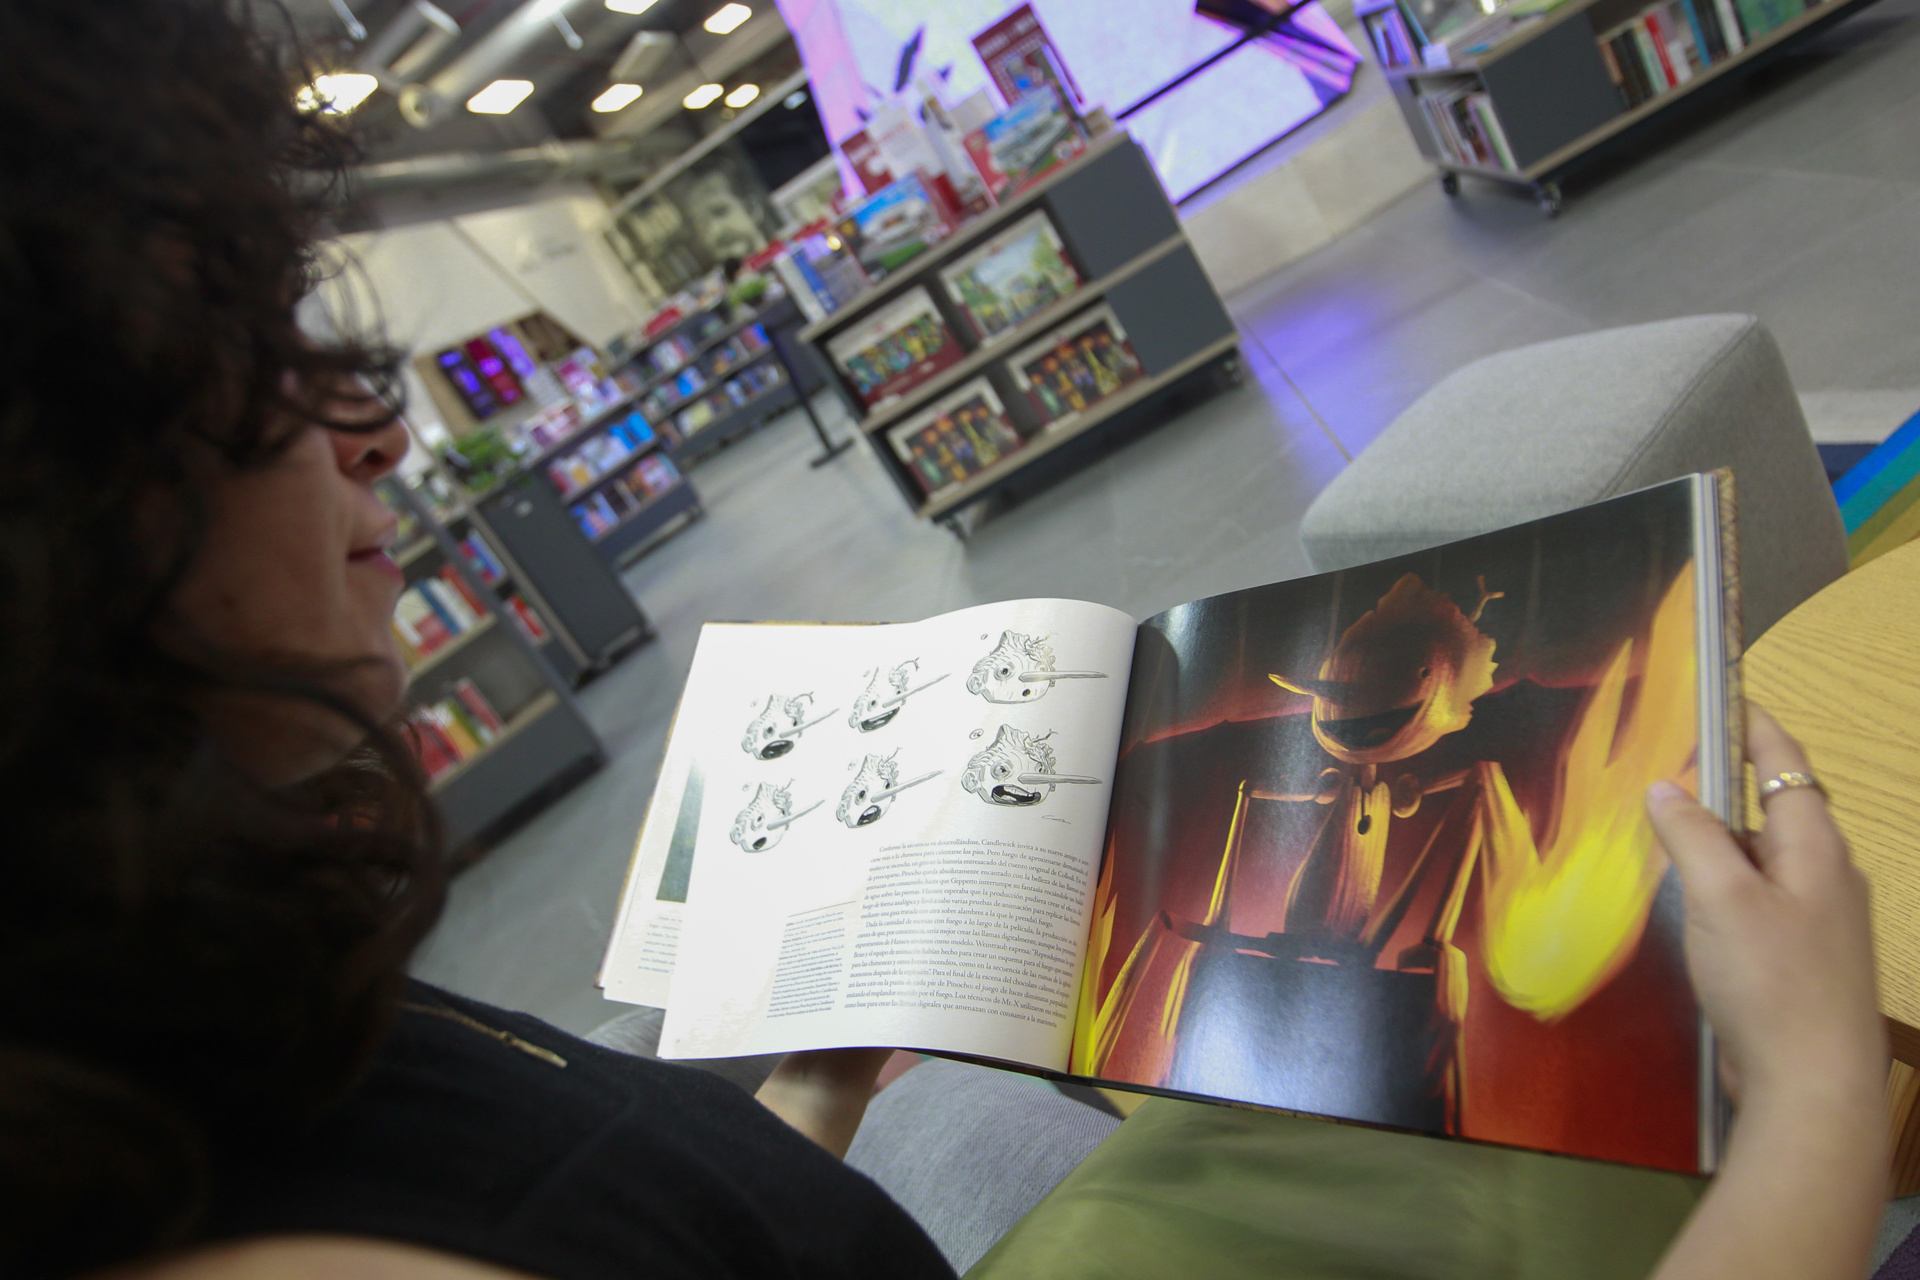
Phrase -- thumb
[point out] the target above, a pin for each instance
(1708, 860)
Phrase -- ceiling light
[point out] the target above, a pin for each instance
(631, 6)
(500, 97)
(727, 17)
(336, 94)
(702, 97)
(616, 97)
(744, 94)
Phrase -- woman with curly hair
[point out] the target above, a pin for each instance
(218, 858)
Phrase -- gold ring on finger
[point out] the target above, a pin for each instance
(1786, 781)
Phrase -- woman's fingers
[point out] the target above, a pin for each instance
(1708, 859)
(1797, 835)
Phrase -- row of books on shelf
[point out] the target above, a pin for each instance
(1466, 128)
(993, 289)
(600, 454)
(749, 385)
(652, 476)
(1666, 45)
(433, 612)
(1063, 375)
(458, 727)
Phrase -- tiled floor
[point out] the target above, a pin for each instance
(1798, 199)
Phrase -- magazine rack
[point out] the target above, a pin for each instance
(1123, 239)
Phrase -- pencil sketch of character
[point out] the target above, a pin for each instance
(763, 823)
(1017, 770)
(870, 794)
(885, 694)
(776, 730)
(1020, 669)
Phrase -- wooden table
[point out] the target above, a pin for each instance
(1842, 673)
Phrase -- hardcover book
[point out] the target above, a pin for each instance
(893, 225)
(1014, 274)
(1369, 845)
(1035, 135)
(1075, 366)
(956, 437)
(896, 348)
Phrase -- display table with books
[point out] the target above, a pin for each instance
(1842, 674)
(1533, 91)
(1071, 309)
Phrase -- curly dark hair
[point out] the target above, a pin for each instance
(189, 959)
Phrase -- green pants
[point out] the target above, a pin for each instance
(1187, 1190)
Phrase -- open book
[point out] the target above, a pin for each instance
(1369, 845)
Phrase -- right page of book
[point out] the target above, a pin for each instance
(1378, 847)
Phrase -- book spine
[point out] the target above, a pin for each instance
(1614, 73)
(1708, 20)
(434, 593)
(1680, 31)
(478, 707)
(1639, 83)
(1490, 122)
(1652, 53)
(1702, 46)
(454, 579)
(1730, 25)
(465, 745)
(1672, 49)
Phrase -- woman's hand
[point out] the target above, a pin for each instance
(1780, 948)
(824, 1092)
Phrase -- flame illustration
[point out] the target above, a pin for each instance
(1559, 922)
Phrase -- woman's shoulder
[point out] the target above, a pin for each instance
(314, 1258)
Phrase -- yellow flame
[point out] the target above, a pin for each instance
(1558, 924)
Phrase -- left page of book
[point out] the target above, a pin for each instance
(897, 832)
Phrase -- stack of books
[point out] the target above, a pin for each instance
(457, 728)
(1467, 130)
(1668, 44)
(432, 612)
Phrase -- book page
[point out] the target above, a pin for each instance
(638, 967)
(898, 832)
(1378, 847)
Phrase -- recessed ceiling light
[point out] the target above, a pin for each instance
(616, 96)
(336, 94)
(704, 96)
(500, 97)
(743, 94)
(727, 17)
(631, 6)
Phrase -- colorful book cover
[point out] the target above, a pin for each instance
(1031, 138)
(1079, 364)
(956, 437)
(1018, 272)
(895, 349)
(893, 225)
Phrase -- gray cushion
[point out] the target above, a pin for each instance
(968, 1151)
(1546, 428)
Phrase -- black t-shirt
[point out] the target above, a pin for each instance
(609, 1167)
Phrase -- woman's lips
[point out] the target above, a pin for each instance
(377, 558)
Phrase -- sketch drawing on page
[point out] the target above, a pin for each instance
(776, 730)
(885, 694)
(870, 794)
(1020, 669)
(1018, 769)
(763, 823)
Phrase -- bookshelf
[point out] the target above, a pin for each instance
(488, 716)
(1537, 100)
(1134, 328)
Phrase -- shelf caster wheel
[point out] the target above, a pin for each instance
(1450, 183)
(1550, 200)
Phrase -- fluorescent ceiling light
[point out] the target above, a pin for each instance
(704, 96)
(616, 97)
(631, 6)
(741, 96)
(500, 97)
(727, 17)
(336, 94)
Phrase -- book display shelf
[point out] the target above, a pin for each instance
(1064, 315)
(1527, 100)
(490, 720)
